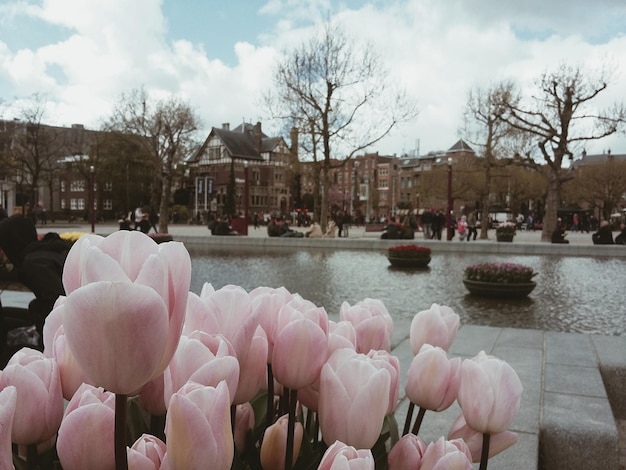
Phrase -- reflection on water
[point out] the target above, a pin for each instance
(583, 295)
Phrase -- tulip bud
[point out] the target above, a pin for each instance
(437, 326)
(274, 446)
(372, 322)
(39, 408)
(406, 453)
(489, 394)
(340, 456)
(432, 379)
(8, 402)
(90, 409)
(200, 415)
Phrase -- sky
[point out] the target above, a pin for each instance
(218, 55)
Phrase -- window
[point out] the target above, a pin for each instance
(107, 204)
(73, 204)
(108, 186)
(62, 186)
(81, 204)
(62, 203)
(77, 186)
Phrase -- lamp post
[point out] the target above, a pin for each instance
(92, 172)
(449, 210)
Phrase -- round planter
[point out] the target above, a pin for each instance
(504, 238)
(404, 262)
(498, 289)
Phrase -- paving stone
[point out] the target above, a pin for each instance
(569, 348)
(575, 380)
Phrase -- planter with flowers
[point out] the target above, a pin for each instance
(499, 279)
(413, 256)
(505, 232)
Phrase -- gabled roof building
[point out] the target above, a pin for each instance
(261, 166)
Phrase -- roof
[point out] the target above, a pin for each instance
(598, 158)
(241, 142)
(460, 146)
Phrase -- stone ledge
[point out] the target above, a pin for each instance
(573, 392)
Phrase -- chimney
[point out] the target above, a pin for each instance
(226, 126)
(258, 136)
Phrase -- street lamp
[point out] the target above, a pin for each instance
(92, 171)
(246, 196)
(449, 211)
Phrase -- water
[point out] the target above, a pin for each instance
(575, 295)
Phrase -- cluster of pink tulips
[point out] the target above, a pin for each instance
(235, 379)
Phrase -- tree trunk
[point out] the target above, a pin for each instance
(552, 204)
(484, 214)
(324, 202)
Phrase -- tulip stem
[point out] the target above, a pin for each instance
(121, 459)
(418, 420)
(291, 425)
(409, 417)
(32, 458)
(269, 418)
(484, 456)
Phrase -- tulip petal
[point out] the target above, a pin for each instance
(117, 333)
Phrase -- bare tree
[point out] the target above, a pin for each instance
(560, 118)
(337, 94)
(492, 137)
(166, 132)
(32, 150)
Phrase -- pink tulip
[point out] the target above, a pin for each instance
(372, 322)
(226, 311)
(39, 408)
(274, 446)
(133, 257)
(147, 453)
(340, 456)
(447, 455)
(55, 346)
(117, 332)
(253, 371)
(432, 379)
(474, 439)
(437, 326)
(300, 344)
(406, 453)
(86, 435)
(8, 402)
(341, 335)
(198, 428)
(244, 426)
(204, 359)
(266, 303)
(384, 360)
(490, 393)
(354, 398)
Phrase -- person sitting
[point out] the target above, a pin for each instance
(330, 230)
(222, 228)
(285, 231)
(604, 235)
(124, 223)
(273, 229)
(621, 238)
(558, 235)
(314, 231)
(39, 264)
(391, 230)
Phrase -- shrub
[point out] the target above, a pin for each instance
(409, 251)
(500, 272)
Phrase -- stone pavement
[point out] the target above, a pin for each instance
(573, 406)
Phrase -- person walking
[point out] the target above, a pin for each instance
(138, 216)
(471, 225)
(153, 218)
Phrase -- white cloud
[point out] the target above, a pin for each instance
(437, 50)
